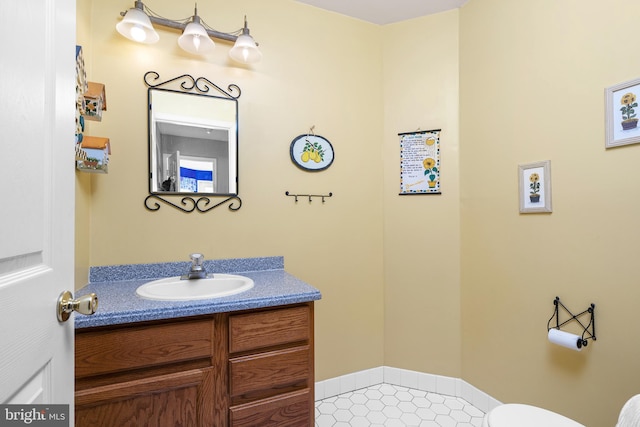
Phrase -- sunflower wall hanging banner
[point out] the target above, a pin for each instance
(420, 162)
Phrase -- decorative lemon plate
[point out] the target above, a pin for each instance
(311, 152)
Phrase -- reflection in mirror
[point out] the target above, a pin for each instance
(192, 143)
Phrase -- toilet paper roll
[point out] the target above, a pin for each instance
(565, 339)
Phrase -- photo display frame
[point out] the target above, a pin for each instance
(420, 162)
(535, 187)
(621, 114)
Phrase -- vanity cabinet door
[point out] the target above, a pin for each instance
(178, 399)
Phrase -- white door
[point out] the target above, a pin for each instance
(37, 101)
(174, 169)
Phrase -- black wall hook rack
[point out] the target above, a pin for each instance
(588, 332)
(310, 196)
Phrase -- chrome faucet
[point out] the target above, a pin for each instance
(197, 270)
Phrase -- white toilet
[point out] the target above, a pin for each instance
(518, 415)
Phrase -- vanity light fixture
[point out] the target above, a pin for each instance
(196, 38)
(245, 50)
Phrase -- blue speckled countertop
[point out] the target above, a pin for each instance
(118, 303)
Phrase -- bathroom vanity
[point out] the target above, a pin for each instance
(243, 360)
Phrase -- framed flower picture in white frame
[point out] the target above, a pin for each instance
(535, 187)
(621, 114)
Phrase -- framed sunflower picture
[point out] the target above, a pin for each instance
(621, 124)
(535, 187)
(420, 162)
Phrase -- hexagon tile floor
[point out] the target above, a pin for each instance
(390, 405)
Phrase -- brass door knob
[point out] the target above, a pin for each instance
(86, 304)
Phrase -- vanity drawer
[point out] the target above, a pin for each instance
(268, 328)
(131, 347)
(273, 370)
(291, 409)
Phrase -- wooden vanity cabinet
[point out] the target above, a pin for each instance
(247, 368)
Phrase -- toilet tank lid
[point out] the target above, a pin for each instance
(513, 414)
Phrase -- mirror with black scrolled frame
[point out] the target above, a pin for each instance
(193, 143)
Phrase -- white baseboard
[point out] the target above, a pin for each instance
(448, 386)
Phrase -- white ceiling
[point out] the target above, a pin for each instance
(385, 11)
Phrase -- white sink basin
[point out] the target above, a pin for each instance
(175, 289)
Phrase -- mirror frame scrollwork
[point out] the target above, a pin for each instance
(191, 202)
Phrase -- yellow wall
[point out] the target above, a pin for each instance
(532, 79)
(459, 284)
(319, 68)
(421, 233)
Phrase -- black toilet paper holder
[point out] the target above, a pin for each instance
(588, 332)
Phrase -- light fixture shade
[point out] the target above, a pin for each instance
(136, 26)
(245, 50)
(194, 39)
